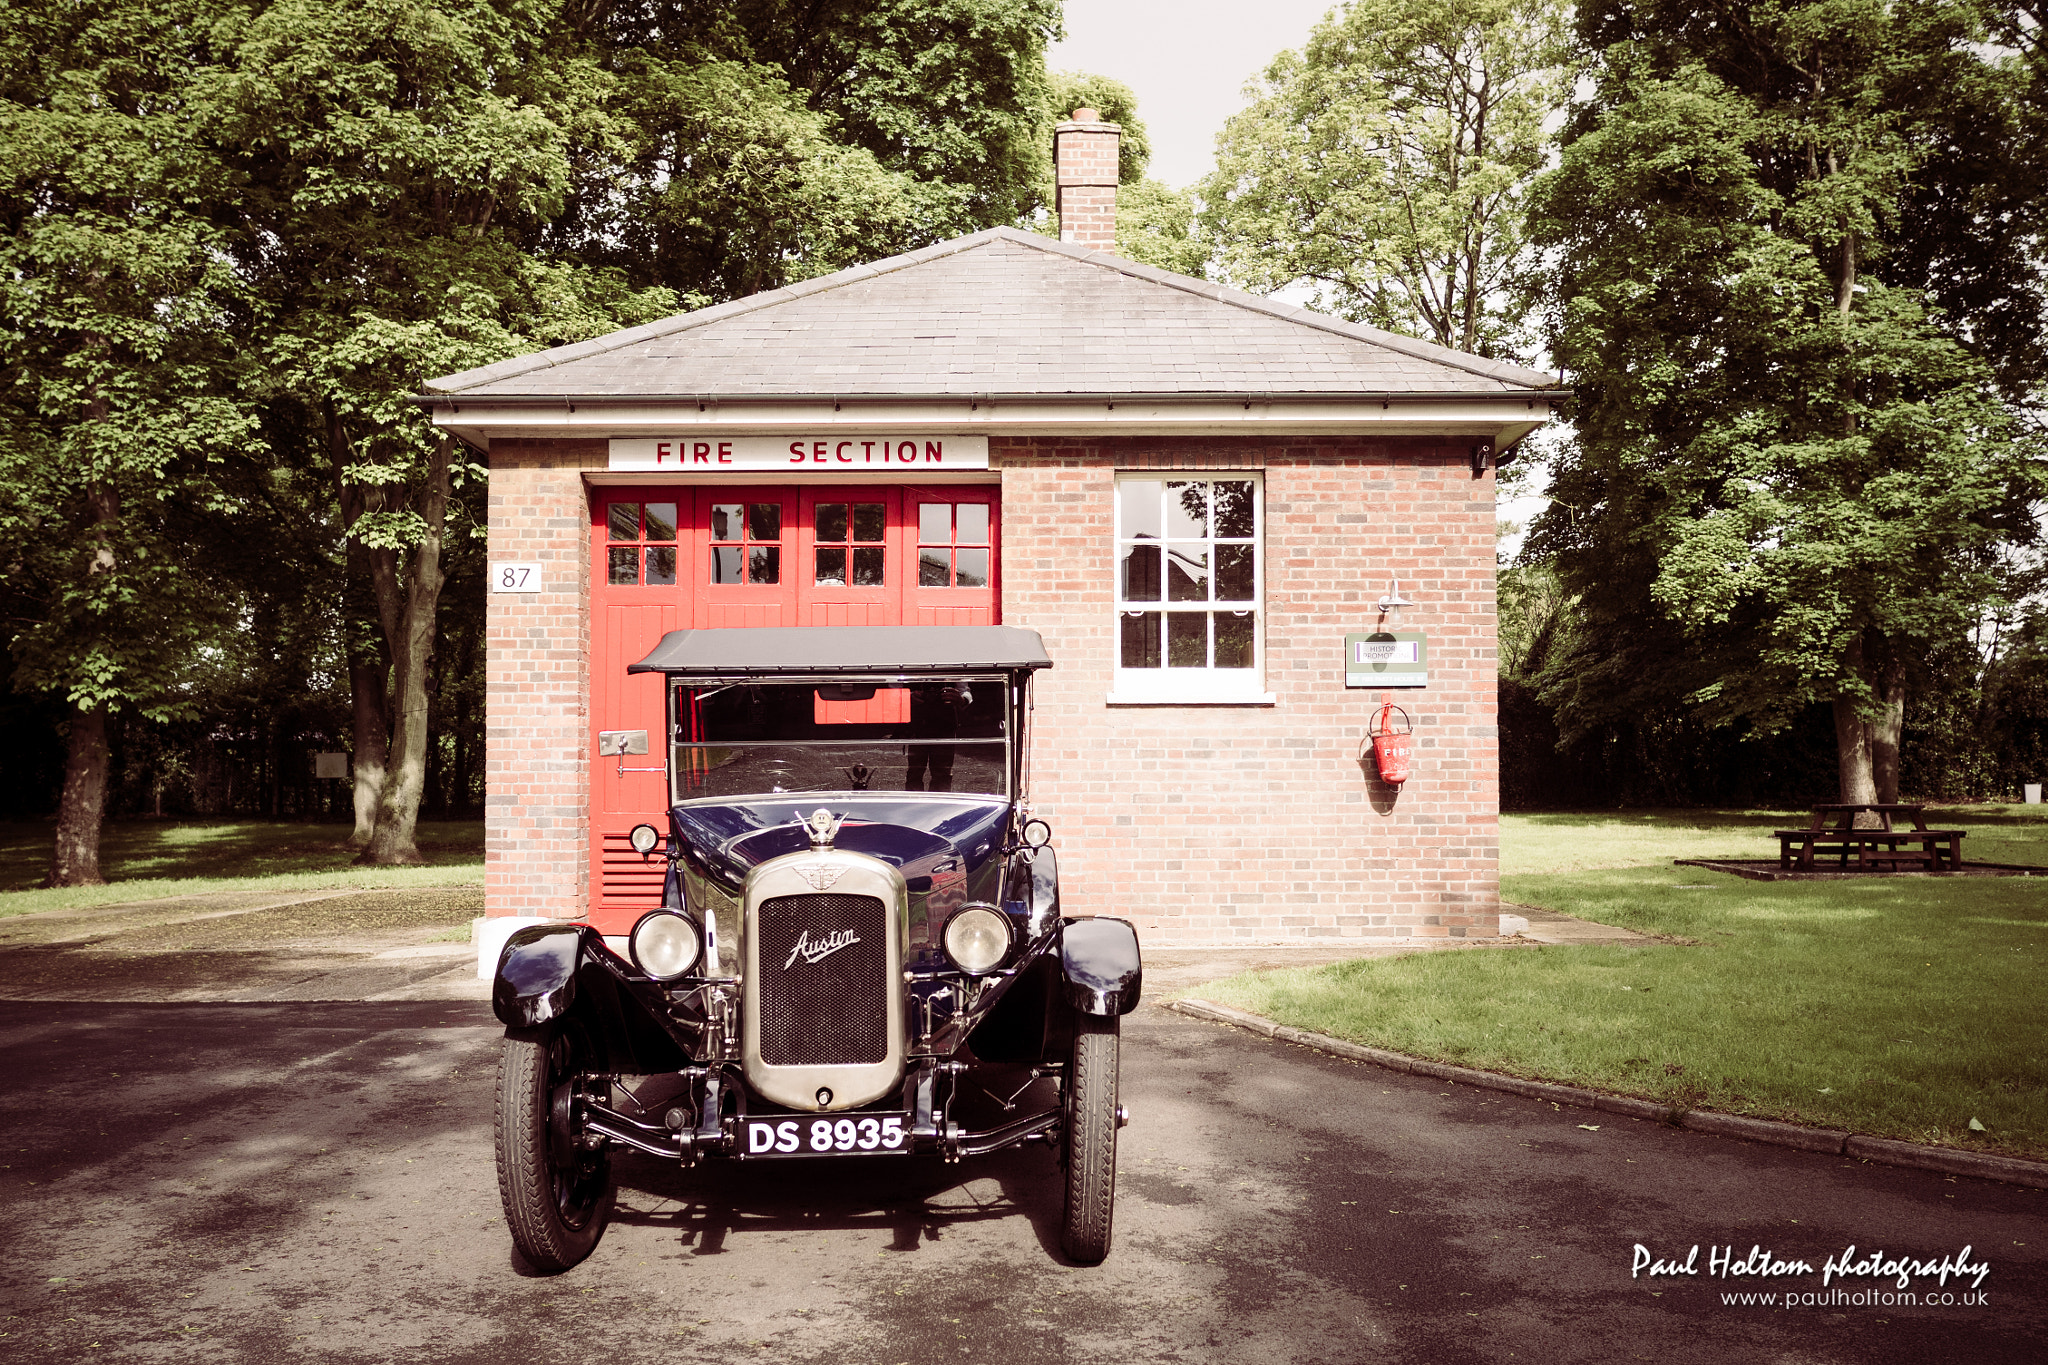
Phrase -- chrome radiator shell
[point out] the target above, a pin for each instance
(821, 875)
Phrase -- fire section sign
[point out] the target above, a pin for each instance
(868, 452)
(1386, 659)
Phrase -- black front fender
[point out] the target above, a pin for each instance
(536, 979)
(550, 971)
(1100, 964)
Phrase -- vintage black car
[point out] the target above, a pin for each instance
(860, 924)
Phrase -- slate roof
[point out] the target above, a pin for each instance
(1000, 312)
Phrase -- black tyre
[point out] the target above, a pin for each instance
(557, 1193)
(1089, 1144)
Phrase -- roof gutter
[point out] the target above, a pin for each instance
(702, 400)
(1492, 416)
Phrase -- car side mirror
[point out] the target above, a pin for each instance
(612, 743)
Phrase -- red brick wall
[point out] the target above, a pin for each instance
(1085, 165)
(536, 797)
(1241, 823)
(1204, 824)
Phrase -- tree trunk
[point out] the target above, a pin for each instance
(412, 649)
(366, 683)
(1866, 746)
(76, 861)
(1853, 754)
(1884, 743)
(369, 664)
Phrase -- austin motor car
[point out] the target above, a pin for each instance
(859, 925)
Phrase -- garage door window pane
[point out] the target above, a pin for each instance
(970, 568)
(970, 523)
(830, 521)
(935, 568)
(661, 564)
(747, 561)
(838, 528)
(625, 566)
(624, 519)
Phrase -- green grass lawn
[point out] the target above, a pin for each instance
(1903, 1007)
(148, 858)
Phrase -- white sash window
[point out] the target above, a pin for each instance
(1190, 589)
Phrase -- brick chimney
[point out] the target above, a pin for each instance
(1084, 157)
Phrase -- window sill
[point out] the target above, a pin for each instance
(1202, 693)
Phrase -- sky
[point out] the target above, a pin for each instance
(1187, 59)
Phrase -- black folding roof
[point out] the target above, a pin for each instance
(767, 650)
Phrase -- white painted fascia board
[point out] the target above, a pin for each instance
(1505, 420)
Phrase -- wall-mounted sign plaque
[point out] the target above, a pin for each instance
(1381, 658)
(515, 577)
(870, 452)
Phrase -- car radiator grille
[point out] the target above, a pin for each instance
(821, 1004)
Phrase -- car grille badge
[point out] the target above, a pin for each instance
(821, 877)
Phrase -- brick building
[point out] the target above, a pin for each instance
(1193, 494)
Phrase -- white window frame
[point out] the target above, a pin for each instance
(1209, 685)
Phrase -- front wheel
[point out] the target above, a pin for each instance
(557, 1191)
(1090, 1140)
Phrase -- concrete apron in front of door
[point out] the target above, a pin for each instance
(414, 945)
(408, 944)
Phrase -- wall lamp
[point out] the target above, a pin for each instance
(1390, 605)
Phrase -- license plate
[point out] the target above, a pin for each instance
(867, 1134)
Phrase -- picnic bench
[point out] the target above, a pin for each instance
(1835, 829)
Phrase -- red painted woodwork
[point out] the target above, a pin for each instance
(628, 619)
(952, 605)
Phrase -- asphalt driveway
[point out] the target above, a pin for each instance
(231, 1182)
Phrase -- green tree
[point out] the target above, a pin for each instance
(1384, 166)
(1788, 483)
(121, 380)
(949, 93)
(392, 172)
(725, 148)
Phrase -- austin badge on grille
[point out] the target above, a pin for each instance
(821, 877)
(813, 950)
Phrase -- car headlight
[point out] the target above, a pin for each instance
(643, 838)
(666, 944)
(977, 939)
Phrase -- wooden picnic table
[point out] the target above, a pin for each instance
(1836, 828)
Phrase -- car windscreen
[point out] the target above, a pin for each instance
(743, 739)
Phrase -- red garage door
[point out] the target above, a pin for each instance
(675, 557)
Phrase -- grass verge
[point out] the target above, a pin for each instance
(144, 860)
(1900, 1007)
